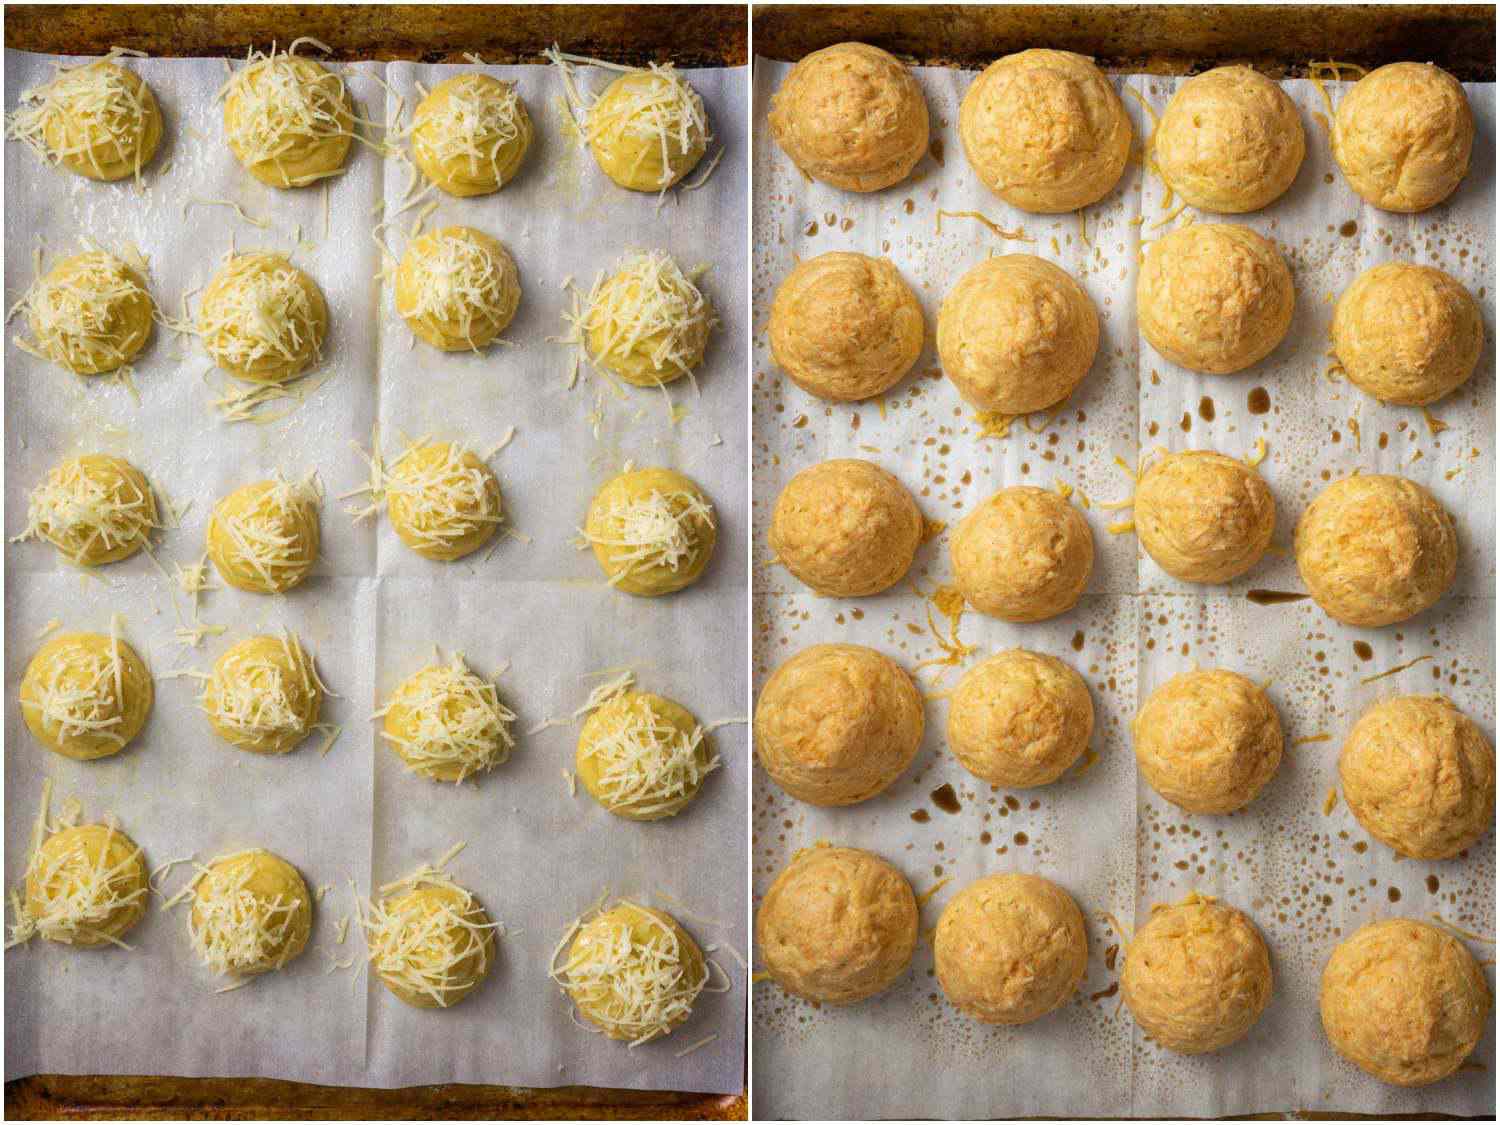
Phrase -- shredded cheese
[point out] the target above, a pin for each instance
(443, 497)
(84, 513)
(79, 314)
(84, 111)
(450, 719)
(652, 532)
(271, 536)
(645, 762)
(259, 310)
(81, 691)
(478, 118)
(253, 697)
(458, 283)
(282, 107)
(233, 929)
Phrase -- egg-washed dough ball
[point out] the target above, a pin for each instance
(1025, 554)
(264, 537)
(264, 694)
(86, 886)
(1419, 776)
(1404, 1001)
(643, 757)
(98, 120)
(1214, 297)
(444, 502)
(846, 528)
(1045, 131)
(447, 723)
(1208, 740)
(652, 531)
(846, 327)
(470, 134)
(262, 319)
(251, 914)
(837, 926)
(431, 942)
(94, 509)
(288, 120)
(1402, 136)
(1375, 550)
(633, 972)
(648, 129)
(1406, 333)
(837, 724)
(1017, 334)
(851, 115)
(1204, 517)
(648, 322)
(1010, 948)
(1230, 141)
(1020, 719)
(457, 288)
(86, 695)
(90, 313)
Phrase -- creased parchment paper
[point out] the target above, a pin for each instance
(536, 856)
(1307, 879)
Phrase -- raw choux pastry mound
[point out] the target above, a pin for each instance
(846, 528)
(1404, 1001)
(1020, 719)
(1230, 141)
(1025, 554)
(643, 757)
(446, 722)
(652, 531)
(1010, 949)
(264, 537)
(1017, 334)
(1208, 741)
(1204, 517)
(289, 120)
(94, 509)
(851, 115)
(86, 695)
(470, 134)
(1407, 334)
(86, 886)
(846, 327)
(457, 288)
(648, 322)
(264, 694)
(1197, 976)
(251, 913)
(97, 120)
(444, 502)
(837, 724)
(90, 313)
(1402, 136)
(1045, 131)
(262, 319)
(1419, 776)
(431, 942)
(1374, 550)
(1214, 297)
(648, 129)
(837, 926)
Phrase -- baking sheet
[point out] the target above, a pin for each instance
(536, 855)
(1306, 878)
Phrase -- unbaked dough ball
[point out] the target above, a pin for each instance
(846, 327)
(98, 120)
(262, 319)
(1375, 550)
(1010, 948)
(1214, 297)
(1020, 719)
(846, 528)
(1017, 334)
(648, 129)
(643, 757)
(94, 509)
(251, 914)
(1204, 517)
(86, 695)
(288, 120)
(446, 722)
(1404, 1001)
(1045, 131)
(444, 502)
(457, 288)
(838, 925)
(836, 724)
(1197, 976)
(264, 537)
(91, 314)
(652, 531)
(851, 115)
(431, 942)
(86, 886)
(1025, 554)
(1406, 333)
(1419, 776)
(470, 134)
(1208, 741)
(1402, 136)
(648, 322)
(1230, 141)
(264, 694)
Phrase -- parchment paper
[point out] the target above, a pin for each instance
(535, 855)
(1306, 878)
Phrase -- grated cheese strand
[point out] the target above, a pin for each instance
(647, 763)
(81, 513)
(233, 929)
(91, 100)
(652, 531)
(456, 719)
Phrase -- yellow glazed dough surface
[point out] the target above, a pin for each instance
(457, 288)
(1020, 719)
(263, 694)
(262, 319)
(288, 120)
(431, 931)
(663, 781)
(652, 531)
(77, 703)
(109, 486)
(264, 537)
(100, 121)
(1025, 554)
(649, 322)
(648, 129)
(470, 134)
(63, 866)
(603, 993)
(447, 723)
(1204, 517)
(837, 926)
(91, 313)
(443, 531)
(239, 891)
(837, 724)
